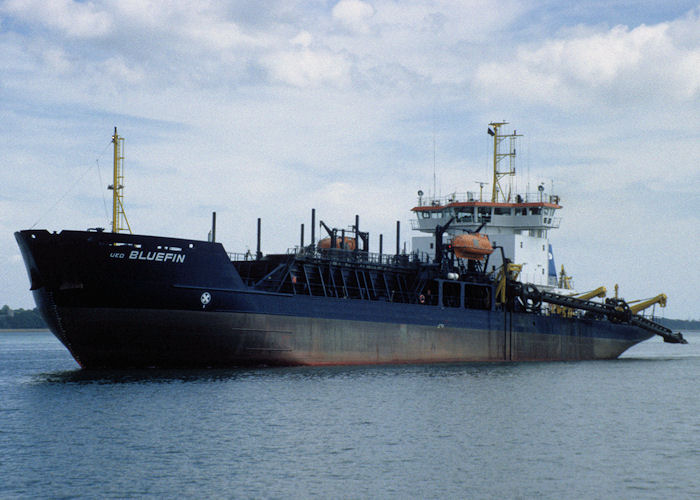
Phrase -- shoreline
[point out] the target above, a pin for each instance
(19, 330)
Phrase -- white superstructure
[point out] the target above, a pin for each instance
(520, 223)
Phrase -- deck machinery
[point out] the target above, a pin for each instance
(443, 280)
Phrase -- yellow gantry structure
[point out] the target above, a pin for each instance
(119, 220)
(502, 171)
(508, 272)
(565, 281)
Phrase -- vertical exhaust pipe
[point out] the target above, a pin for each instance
(398, 237)
(313, 227)
(213, 227)
(258, 253)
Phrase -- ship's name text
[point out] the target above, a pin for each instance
(177, 258)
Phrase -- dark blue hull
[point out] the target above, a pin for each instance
(119, 300)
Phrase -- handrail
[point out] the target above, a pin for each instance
(472, 196)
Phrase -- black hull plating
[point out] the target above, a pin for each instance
(133, 301)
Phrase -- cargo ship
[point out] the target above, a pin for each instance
(479, 284)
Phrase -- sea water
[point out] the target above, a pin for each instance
(628, 428)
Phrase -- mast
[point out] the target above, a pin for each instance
(498, 157)
(119, 220)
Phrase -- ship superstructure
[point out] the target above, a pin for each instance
(520, 223)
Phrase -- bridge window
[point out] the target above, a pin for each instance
(465, 214)
(484, 214)
(502, 211)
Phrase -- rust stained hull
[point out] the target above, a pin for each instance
(119, 338)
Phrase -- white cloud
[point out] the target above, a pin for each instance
(219, 35)
(56, 60)
(687, 75)
(353, 14)
(203, 24)
(155, 14)
(619, 65)
(304, 38)
(117, 67)
(75, 19)
(304, 67)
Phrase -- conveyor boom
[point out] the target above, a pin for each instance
(616, 310)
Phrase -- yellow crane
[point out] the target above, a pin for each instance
(601, 291)
(639, 305)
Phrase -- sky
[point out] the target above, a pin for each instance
(269, 109)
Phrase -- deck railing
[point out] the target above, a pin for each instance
(470, 196)
(341, 255)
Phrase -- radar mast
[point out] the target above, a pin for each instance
(500, 171)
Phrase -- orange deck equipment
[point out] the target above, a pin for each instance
(472, 246)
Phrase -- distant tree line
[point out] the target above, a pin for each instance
(679, 324)
(11, 319)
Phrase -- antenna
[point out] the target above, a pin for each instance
(434, 164)
(481, 189)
